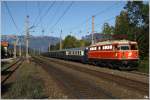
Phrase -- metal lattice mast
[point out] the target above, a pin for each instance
(92, 29)
(27, 37)
(60, 47)
(15, 46)
(49, 49)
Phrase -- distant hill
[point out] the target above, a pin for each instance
(97, 37)
(101, 37)
(35, 42)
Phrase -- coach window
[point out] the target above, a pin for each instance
(91, 49)
(110, 47)
(95, 48)
(79, 52)
(99, 48)
(103, 47)
(107, 47)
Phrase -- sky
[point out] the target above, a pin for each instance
(76, 21)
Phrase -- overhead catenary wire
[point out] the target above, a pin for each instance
(52, 18)
(102, 22)
(42, 16)
(105, 21)
(95, 15)
(9, 12)
(16, 37)
(38, 13)
(65, 11)
(40, 19)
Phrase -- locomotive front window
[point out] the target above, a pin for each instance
(125, 47)
(134, 47)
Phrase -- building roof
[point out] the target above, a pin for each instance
(114, 42)
(4, 43)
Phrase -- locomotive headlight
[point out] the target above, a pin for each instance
(116, 54)
(129, 54)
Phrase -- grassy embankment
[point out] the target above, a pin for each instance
(27, 84)
(7, 64)
(144, 65)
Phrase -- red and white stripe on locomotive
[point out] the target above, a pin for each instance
(114, 51)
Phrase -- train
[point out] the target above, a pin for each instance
(120, 54)
(6, 50)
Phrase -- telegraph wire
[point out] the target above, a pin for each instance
(97, 14)
(9, 12)
(52, 18)
(40, 19)
(42, 16)
(105, 10)
(38, 13)
(102, 22)
(66, 10)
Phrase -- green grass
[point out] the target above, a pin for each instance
(6, 64)
(144, 65)
(27, 85)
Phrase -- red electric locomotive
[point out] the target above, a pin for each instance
(122, 54)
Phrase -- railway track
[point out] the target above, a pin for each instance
(73, 86)
(8, 71)
(123, 81)
(139, 73)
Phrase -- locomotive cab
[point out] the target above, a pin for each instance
(128, 54)
(127, 51)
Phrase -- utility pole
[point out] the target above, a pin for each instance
(15, 46)
(27, 37)
(34, 51)
(20, 49)
(49, 49)
(60, 46)
(92, 29)
(39, 51)
(43, 38)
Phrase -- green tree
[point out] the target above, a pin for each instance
(123, 26)
(84, 43)
(138, 14)
(107, 29)
(122, 23)
(70, 42)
